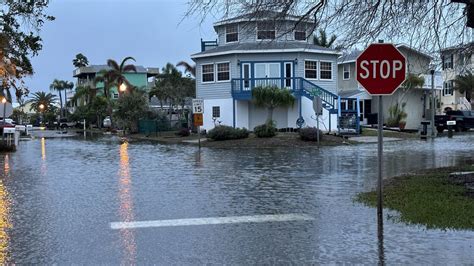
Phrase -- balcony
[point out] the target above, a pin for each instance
(242, 89)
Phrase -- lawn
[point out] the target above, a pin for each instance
(428, 198)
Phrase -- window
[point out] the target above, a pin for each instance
(326, 70)
(116, 95)
(447, 61)
(346, 71)
(310, 69)
(223, 72)
(300, 33)
(216, 111)
(448, 88)
(266, 30)
(232, 33)
(208, 73)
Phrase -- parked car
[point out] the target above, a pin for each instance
(464, 120)
(64, 123)
(8, 120)
(107, 122)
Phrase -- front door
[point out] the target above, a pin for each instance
(267, 74)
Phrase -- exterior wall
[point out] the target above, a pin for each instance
(416, 63)
(258, 116)
(455, 101)
(242, 114)
(216, 89)
(248, 32)
(349, 84)
(226, 109)
(308, 115)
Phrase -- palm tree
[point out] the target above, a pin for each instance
(271, 98)
(80, 61)
(42, 98)
(191, 69)
(322, 39)
(58, 85)
(67, 85)
(82, 93)
(115, 75)
(464, 84)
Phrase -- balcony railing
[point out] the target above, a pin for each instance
(242, 88)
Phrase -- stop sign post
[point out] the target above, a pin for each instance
(380, 69)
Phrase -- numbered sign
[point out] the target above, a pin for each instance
(198, 106)
(198, 120)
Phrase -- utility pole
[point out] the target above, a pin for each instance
(433, 107)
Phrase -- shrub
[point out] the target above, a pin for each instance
(227, 132)
(266, 130)
(310, 134)
(184, 132)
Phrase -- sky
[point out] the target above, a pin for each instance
(151, 31)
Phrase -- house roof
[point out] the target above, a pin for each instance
(467, 47)
(352, 56)
(92, 69)
(259, 16)
(265, 47)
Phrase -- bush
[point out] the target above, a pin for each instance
(266, 130)
(184, 132)
(227, 132)
(310, 134)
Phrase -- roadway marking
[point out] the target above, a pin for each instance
(213, 220)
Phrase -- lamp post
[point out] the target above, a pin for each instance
(4, 102)
(41, 107)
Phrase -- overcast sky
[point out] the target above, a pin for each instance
(148, 30)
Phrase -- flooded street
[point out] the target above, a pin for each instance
(58, 198)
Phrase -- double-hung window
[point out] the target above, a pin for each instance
(448, 88)
(310, 69)
(208, 73)
(232, 33)
(300, 32)
(223, 71)
(266, 30)
(346, 72)
(325, 70)
(448, 61)
(216, 111)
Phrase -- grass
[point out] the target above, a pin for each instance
(370, 132)
(427, 199)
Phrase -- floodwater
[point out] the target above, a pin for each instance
(58, 198)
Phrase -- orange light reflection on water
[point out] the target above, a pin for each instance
(5, 224)
(126, 205)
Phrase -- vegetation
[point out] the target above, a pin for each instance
(130, 107)
(226, 133)
(266, 130)
(397, 115)
(271, 97)
(465, 83)
(46, 100)
(80, 61)
(115, 75)
(310, 134)
(184, 132)
(428, 199)
(322, 40)
(190, 69)
(59, 86)
(94, 112)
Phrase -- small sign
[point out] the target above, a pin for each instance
(198, 120)
(315, 92)
(318, 105)
(198, 106)
(451, 123)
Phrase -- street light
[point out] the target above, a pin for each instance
(41, 107)
(4, 102)
(123, 87)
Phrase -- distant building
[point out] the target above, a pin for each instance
(456, 60)
(266, 50)
(86, 75)
(417, 102)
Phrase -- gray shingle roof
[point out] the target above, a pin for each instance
(259, 15)
(274, 45)
(348, 57)
(91, 69)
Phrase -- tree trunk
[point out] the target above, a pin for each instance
(270, 114)
(65, 104)
(60, 104)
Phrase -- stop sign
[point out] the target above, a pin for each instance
(381, 69)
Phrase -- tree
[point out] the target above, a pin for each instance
(115, 75)
(80, 61)
(57, 85)
(191, 69)
(464, 83)
(67, 85)
(322, 39)
(425, 25)
(129, 109)
(83, 94)
(47, 100)
(271, 98)
(20, 24)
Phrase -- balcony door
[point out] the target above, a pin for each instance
(267, 74)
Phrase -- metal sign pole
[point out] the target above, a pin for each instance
(199, 137)
(380, 162)
(317, 128)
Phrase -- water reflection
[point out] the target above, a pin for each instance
(126, 205)
(5, 224)
(43, 156)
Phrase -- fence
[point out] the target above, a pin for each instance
(156, 126)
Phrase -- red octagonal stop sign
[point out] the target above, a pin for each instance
(381, 69)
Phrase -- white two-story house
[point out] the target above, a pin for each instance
(456, 60)
(265, 50)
